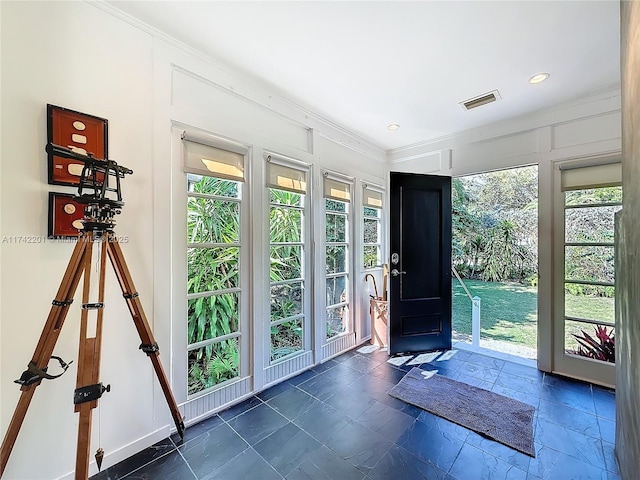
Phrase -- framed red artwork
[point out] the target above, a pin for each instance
(82, 133)
(65, 215)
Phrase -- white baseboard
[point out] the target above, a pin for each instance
(111, 458)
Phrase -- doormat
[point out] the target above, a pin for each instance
(500, 418)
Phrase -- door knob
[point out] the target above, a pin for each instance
(395, 272)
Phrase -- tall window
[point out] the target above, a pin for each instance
(371, 228)
(214, 186)
(589, 287)
(288, 246)
(337, 198)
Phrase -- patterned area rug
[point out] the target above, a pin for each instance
(500, 418)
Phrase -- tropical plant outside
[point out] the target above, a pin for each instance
(601, 346)
(213, 234)
(286, 220)
(371, 237)
(495, 217)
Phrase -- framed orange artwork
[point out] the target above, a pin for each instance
(80, 132)
(65, 215)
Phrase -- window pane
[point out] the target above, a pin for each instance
(211, 317)
(212, 221)
(285, 224)
(589, 302)
(211, 269)
(336, 259)
(286, 262)
(286, 338)
(371, 212)
(590, 224)
(213, 364)
(371, 228)
(336, 227)
(591, 341)
(286, 300)
(594, 195)
(337, 320)
(337, 290)
(285, 198)
(335, 206)
(589, 263)
(212, 186)
(371, 256)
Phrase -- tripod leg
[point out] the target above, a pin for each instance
(46, 344)
(88, 390)
(149, 345)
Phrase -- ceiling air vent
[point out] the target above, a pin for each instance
(481, 100)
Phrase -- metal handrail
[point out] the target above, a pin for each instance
(475, 311)
(455, 272)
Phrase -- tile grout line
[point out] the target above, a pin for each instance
(387, 375)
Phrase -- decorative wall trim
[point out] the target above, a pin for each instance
(199, 408)
(338, 345)
(192, 91)
(287, 368)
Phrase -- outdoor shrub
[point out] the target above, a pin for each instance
(602, 347)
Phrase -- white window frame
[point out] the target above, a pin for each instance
(349, 244)
(564, 363)
(244, 284)
(306, 275)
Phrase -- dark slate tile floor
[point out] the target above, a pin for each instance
(337, 422)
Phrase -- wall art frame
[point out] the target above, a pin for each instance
(64, 214)
(81, 132)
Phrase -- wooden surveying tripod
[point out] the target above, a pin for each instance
(97, 234)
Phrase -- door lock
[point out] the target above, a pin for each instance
(395, 272)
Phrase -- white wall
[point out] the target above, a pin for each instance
(84, 57)
(71, 55)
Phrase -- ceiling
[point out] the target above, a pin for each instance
(367, 64)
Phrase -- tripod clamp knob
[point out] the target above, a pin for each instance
(89, 393)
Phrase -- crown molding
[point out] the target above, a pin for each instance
(594, 105)
(325, 127)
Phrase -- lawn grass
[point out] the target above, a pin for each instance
(509, 311)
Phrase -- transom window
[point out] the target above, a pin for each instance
(371, 228)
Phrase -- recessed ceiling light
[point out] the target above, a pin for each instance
(393, 126)
(540, 77)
